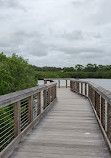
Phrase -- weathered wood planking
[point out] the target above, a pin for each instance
(69, 130)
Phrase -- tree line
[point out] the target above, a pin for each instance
(17, 74)
(77, 68)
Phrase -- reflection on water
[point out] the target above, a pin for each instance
(105, 83)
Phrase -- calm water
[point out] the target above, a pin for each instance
(105, 83)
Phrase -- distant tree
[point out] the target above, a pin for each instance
(91, 68)
(79, 67)
(68, 69)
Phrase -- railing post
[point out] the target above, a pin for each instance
(89, 92)
(17, 120)
(30, 109)
(45, 82)
(55, 92)
(39, 103)
(109, 121)
(97, 103)
(58, 83)
(49, 95)
(73, 86)
(70, 84)
(103, 112)
(94, 97)
(44, 96)
(81, 88)
(85, 89)
(66, 83)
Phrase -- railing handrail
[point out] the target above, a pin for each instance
(57, 79)
(106, 94)
(19, 95)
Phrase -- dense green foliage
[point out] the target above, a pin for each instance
(42, 75)
(15, 74)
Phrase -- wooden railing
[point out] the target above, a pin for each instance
(100, 100)
(58, 81)
(20, 111)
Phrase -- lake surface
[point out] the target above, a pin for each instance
(105, 83)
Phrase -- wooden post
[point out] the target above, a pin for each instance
(58, 83)
(30, 109)
(44, 95)
(81, 88)
(39, 103)
(70, 84)
(109, 121)
(89, 92)
(66, 83)
(55, 92)
(97, 103)
(94, 98)
(78, 85)
(45, 82)
(85, 89)
(17, 118)
(74, 86)
(103, 112)
(49, 95)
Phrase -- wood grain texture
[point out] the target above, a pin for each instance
(69, 130)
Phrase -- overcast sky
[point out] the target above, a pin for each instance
(57, 32)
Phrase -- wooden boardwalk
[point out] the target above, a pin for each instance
(69, 130)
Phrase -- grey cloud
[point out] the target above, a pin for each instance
(78, 3)
(36, 49)
(11, 4)
(74, 35)
(77, 50)
(31, 43)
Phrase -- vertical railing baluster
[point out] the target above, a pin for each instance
(66, 83)
(109, 121)
(49, 95)
(58, 83)
(44, 98)
(97, 104)
(89, 91)
(85, 89)
(45, 81)
(55, 92)
(81, 88)
(103, 112)
(78, 87)
(70, 84)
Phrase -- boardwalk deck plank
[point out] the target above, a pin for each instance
(69, 130)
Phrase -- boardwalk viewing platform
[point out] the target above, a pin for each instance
(51, 121)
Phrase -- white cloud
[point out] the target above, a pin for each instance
(57, 33)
